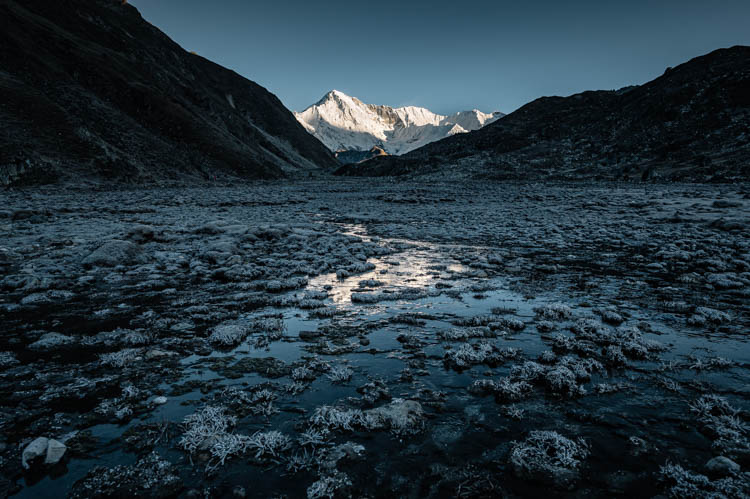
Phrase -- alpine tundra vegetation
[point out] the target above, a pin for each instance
(323, 328)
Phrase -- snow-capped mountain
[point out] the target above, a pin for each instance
(345, 123)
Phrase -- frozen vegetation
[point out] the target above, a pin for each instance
(345, 338)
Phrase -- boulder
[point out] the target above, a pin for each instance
(141, 233)
(721, 466)
(33, 451)
(112, 253)
(55, 452)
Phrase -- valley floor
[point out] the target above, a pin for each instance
(376, 339)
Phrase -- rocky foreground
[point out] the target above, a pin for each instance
(370, 340)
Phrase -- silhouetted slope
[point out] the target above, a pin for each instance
(693, 122)
(89, 87)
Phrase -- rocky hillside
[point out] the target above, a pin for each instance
(91, 91)
(691, 123)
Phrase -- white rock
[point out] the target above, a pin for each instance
(35, 449)
(55, 452)
(160, 400)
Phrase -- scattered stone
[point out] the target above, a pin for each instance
(721, 466)
(112, 253)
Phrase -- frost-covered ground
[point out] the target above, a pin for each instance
(375, 339)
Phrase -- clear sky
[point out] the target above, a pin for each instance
(448, 55)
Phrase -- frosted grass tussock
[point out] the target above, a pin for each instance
(680, 483)
(205, 425)
(258, 402)
(333, 418)
(123, 358)
(303, 373)
(510, 324)
(315, 295)
(703, 315)
(699, 364)
(131, 392)
(225, 446)
(228, 335)
(582, 368)
(723, 422)
(611, 317)
(314, 437)
(357, 268)
(555, 312)
(323, 313)
(513, 412)
(563, 381)
(547, 357)
(592, 330)
(295, 387)
(467, 355)
(502, 310)
(464, 334)
(476, 321)
(310, 304)
(115, 408)
(710, 406)
(303, 460)
(401, 417)
(370, 283)
(728, 428)
(545, 326)
(564, 343)
(272, 327)
(136, 338)
(269, 444)
(401, 294)
(614, 357)
(368, 297)
(236, 395)
(264, 408)
(340, 374)
(589, 332)
(634, 344)
(548, 455)
(605, 388)
(504, 389)
(562, 378)
(264, 395)
(329, 486)
(669, 384)
(528, 371)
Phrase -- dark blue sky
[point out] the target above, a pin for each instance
(448, 55)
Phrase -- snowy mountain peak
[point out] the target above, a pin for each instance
(345, 123)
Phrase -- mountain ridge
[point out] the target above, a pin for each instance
(92, 90)
(346, 124)
(691, 123)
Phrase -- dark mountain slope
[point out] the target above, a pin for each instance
(88, 88)
(692, 123)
